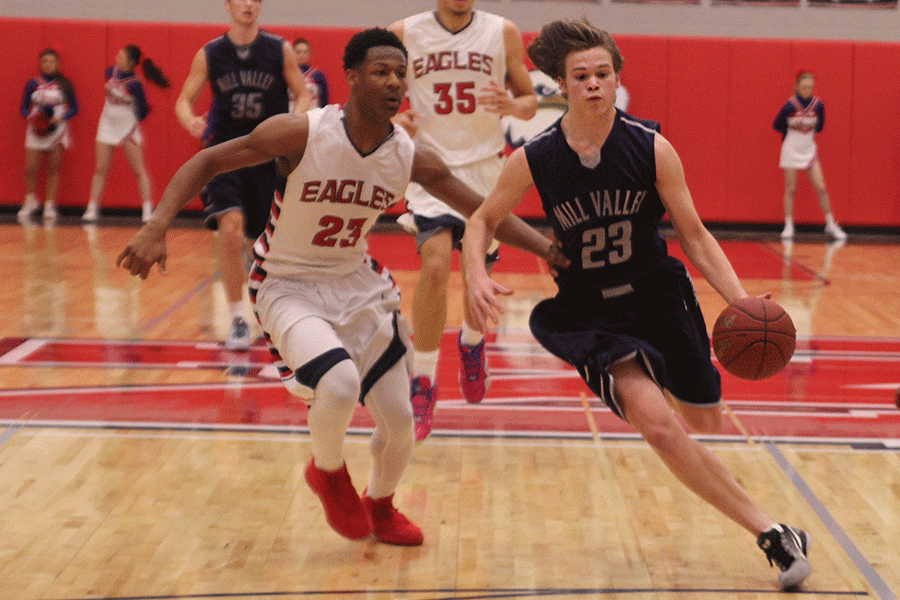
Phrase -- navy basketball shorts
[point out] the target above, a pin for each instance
(431, 226)
(250, 189)
(655, 320)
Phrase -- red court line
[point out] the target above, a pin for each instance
(842, 388)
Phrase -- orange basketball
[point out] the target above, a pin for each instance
(754, 338)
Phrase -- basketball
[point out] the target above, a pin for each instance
(754, 338)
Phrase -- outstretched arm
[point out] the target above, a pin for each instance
(281, 136)
(431, 173)
(481, 291)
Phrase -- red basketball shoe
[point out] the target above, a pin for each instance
(423, 397)
(343, 508)
(474, 377)
(389, 524)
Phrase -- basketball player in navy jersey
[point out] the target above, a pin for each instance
(626, 315)
(461, 62)
(330, 313)
(250, 72)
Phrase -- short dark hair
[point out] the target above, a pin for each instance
(558, 39)
(359, 44)
(300, 40)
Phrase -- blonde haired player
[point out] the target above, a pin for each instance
(626, 315)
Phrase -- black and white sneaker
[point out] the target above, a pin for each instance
(239, 335)
(787, 548)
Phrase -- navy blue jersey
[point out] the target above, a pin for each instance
(248, 85)
(606, 217)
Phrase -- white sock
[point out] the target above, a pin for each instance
(237, 309)
(829, 220)
(330, 413)
(30, 198)
(789, 221)
(425, 363)
(469, 335)
(392, 441)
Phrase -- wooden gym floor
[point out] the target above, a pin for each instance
(138, 459)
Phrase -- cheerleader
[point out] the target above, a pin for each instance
(48, 102)
(799, 120)
(126, 106)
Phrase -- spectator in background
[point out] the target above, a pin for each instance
(315, 79)
(126, 106)
(48, 103)
(799, 120)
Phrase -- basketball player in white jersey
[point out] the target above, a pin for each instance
(329, 312)
(461, 61)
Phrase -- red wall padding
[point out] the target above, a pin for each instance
(715, 97)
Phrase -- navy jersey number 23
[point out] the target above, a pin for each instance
(606, 216)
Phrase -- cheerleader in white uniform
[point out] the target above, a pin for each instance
(48, 102)
(126, 106)
(801, 117)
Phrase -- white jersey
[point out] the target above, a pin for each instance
(48, 94)
(118, 120)
(798, 150)
(446, 73)
(332, 199)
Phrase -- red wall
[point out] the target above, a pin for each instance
(715, 97)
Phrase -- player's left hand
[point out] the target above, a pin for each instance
(147, 247)
(495, 99)
(482, 303)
